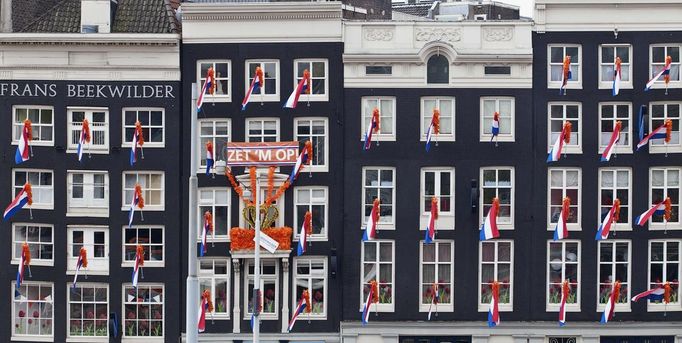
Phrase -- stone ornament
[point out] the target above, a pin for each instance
(379, 34)
(427, 34)
(498, 34)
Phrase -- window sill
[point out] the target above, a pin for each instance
(35, 262)
(569, 308)
(147, 264)
(436, 138)
(36, 143)
(661, 149)
(247, 316)
(440, 308)
(501, 307)
(661, 227)
(500, 138)
(90, 213)
(569, 85)
(88, 150)
(572, 150)
(569, 227)
(142, 339)
(619, 307)
(303, 98)
(32, 339)
(87, 339)
(671, 85)
(619, 150)
(147, 208)
(609, 84)
(312, 238)
(663, 307)
(379, 138)
(85, 272)
(303, 317)
(217, 98)
(145, 146)
(379, 308)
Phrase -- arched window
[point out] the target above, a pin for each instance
(437, 69)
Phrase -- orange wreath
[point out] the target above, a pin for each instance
(27, 254)
(84, 257)
(29, 193)
(140, 255)
(242, 239)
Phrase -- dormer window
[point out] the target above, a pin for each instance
(438, 69)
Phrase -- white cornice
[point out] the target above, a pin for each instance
(131, 39)
(261, 11)
(411, 57)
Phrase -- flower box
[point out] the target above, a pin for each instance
(242, 239)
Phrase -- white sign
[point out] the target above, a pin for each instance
(267, 242)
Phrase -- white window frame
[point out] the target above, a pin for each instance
(577, 226)
(660, 84)
(34, 125)
(255, 98)
(620, 147)
(200, 81)
(206, 275)
(377, 307)
(366, 116)
(125, 206)
(28, 337)
(481, 212)
(124, 301)
(620, 307)
(262, 121)
(662, 307)
(69, 293)
(427, 114)
(37, 205)
(264, 277)
(147, 141)
(661, 225)
(502, 307)
(96, 265)
(575, 133)
(325, 233)
(313, 97)
(446, 220)
(442, 307)
(627, 226)
(296, 297)
(658, 146)
(91, 207)
(384, 225)
(327, 135)
(35, 258)
(201, 148)
(570, 84)
(212, 203)
(147, 261)
(279, 203)
(72, 127)
(608, 84)
(551, 307)
(486, 119)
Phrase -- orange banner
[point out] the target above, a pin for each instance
(262, 154)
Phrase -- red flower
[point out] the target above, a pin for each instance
(270, 294)
(30, 321)
(447, 290)
(102, 316)
(131, 315)
(90, 315)
(36, 314)
(318, 296)
(22, 313)
(157, 315)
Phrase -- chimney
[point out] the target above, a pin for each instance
(95, 16)
(6, 16)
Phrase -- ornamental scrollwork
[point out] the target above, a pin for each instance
(427, 34)
(378, 34)
(498, 34)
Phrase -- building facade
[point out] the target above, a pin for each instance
(56, 77)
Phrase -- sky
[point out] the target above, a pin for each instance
(526, 6)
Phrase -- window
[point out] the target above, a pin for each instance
(559, 113)
(318, 77)
(498, 182)
(270, 77)
(497, 70)
(446, 106)
(609, 114)
(40, 240)
(437, 268)
(497, 264)
(41, 186)
(269, 287)
(262, 130)
(221, 73)
(216, 201)
(438, 69)
(143, 310)
(615, 183)
(152, 121)
(439, 183)
(563, 263)
(214, 275)
(42, 123)
(386, 106)
(504, 106)
(216, 131)
(152, 184)
(664, 266)
(378, 70)
(614, 265)
(314, 130)
(379, 183)
(377, 264)
(32, 311)
(95, 240)
(556, 65)
(657, 63)
(564, 182)
(99, 129)
(151, 238)
(313, 199)
(659, 113)
(665, 182)
(607, 65)
(310, 273)
(88, 310)
(88, 194)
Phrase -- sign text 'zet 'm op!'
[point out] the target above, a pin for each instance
(262, 153)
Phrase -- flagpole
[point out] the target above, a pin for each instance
(191, 308)
(256, 275)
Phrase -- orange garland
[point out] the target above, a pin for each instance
(86, 130)
(565, 289)
(242, 239)
(616, 292)
(140, 252)
(27, 254)
(565, 207)
(306, 297)
(666, 77)
(29, 193)
(496, 204)
(210, 75)
(207, 296)
(375, 118)
(29, 129)
(436, 121)
(668, 209)
(138, 194)
(308, 223)
(666, 292)
(495, 288)
(252, 176)
(375, 291)
(140, 133)
(567, 135)
(668, 129)
(84, 257)
(237, 188)
(271, 175)
(306, 76)
(208, 217)
(619, 126)
(434, 205)
(616, 210)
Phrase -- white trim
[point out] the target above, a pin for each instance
(481, 214)
(426, 116)
(440, 307)
(446, 220)
(212, 203)
(576, 132)
(34, 260)
(125, 206)
(295, 297)
(96, 265)
(147, 140)
(147, 261)
(662, 225)
(262, 120)
(89, 148)
(366, 117)
(313, 237)
(36, 205)
(609, 84)
(278, 180)
(124, 337)
(484, 307)
(206, 275)
(35, 125)
(215, 97)
(485, 120)
(621, 147)
(378, 307)
(627, 226)
(269, 278)
(26, 337)
(654, 145)
(662, 307)
(201, 148)
(319, 168)
(262, 97)
(570, 307)
(89, 208)
(384, 225)
(660, 84)
(313, 97)
(577, 226)
(620, 307)
(570, 84)
(69, 292)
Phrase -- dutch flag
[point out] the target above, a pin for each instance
(302, 159)
(431, 226)
(133, 148)
(17, 204)
(84, 138)
(208, 84)
(493, 311)
(209, 158)
(20, 271)
(302, 304)
(610, 308)
(133, 205)
(658, 133)
(643, 218)
(372, 221)
(606, 224)
(366, 308)
(561, 228)
(204, 234)
(139, 261)
(255, 87)
(23, 148)
(489, 229)
(617, 76)
(655, 294)
(615, 137)
(663, 72)
(302, 240)
(562, 307)
(303, 87)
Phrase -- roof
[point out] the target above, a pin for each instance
(420, 9)
(132, 16)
